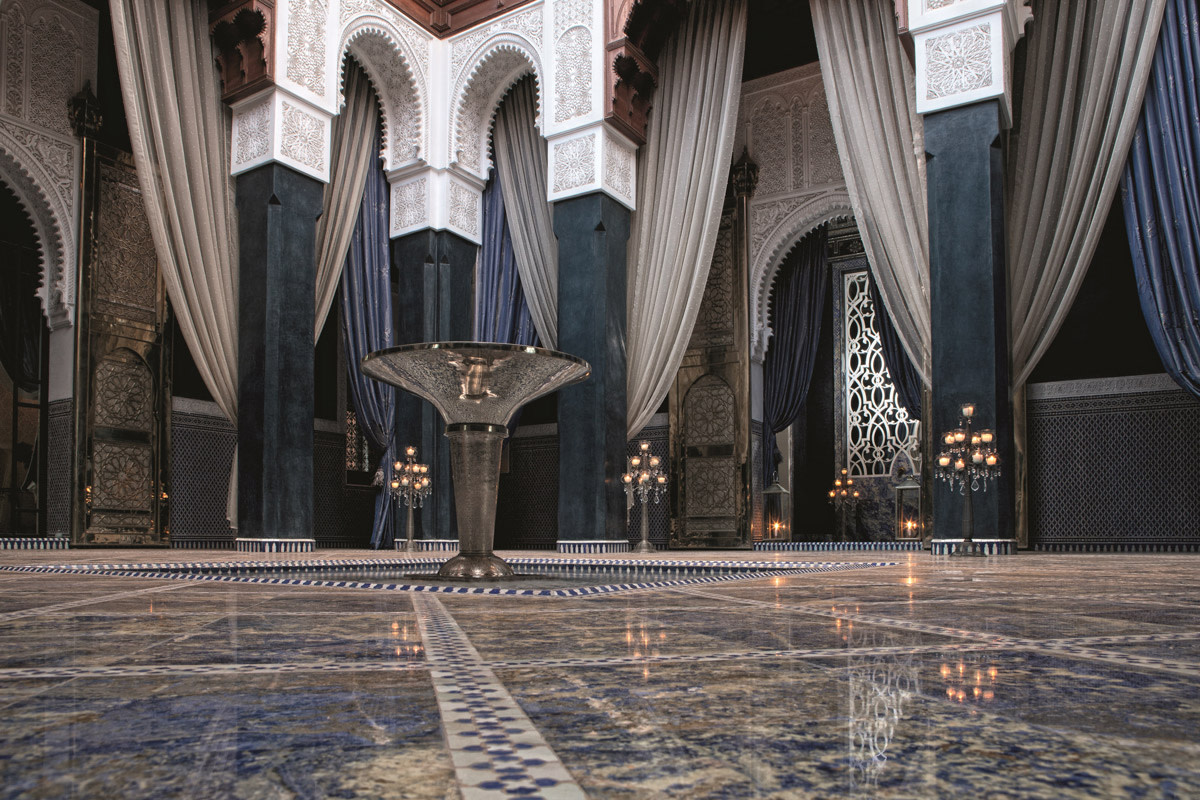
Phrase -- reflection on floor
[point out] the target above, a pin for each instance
(1029, 676)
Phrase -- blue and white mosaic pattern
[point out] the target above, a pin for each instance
(496, 750)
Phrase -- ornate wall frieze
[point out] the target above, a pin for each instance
(962, 51)
(252, 133)
(464, 209)
(574, 163)
(409, 206)
(306, 44)
(303, 137)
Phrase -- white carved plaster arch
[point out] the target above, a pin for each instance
(774, 245)
(393, 69)
(53, 222)
(498, 64)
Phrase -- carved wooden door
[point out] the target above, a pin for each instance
(122, 386)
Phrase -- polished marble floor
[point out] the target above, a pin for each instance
(1027, 676)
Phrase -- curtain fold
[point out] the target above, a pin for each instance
(797, 309)
(367, 326)
(1085, 75)
(501, 312)
(179, 130)
(682, 174)
(904, 375)
(869, 84)
(351, 158)
(1161, 194)
(521, 167)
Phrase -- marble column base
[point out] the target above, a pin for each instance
(276, 545)
(990, 547)
(594, 546)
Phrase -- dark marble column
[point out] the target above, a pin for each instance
(592, 232)
(277, 211)
(969, 305)
(435, 303)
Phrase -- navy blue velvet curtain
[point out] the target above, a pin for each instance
(797, 305)
(501, 312)
(367, 326)
(1161, 194)
(905, 377)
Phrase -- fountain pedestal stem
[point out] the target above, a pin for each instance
(475, 463)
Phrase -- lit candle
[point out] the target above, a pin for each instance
(856, 492)
(975, 439)
(395, 484)
(635, 461)
(960, 436)
(654, 461)
(944, 461)
(837, 482)
(645, 446)
(949, 438)
(627, 478)
(645, 476)
(977, 457)
(397, 465)
(992, 459)
(832, 494)
(662, 479)
(404, 481)
(968, 410)
(986, 436)
(410, 451)
(960, 464)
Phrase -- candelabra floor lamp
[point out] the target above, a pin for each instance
(410, 485)
(969, 460)
(844, 499)
(645, 479)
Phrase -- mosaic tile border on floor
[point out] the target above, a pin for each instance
(495, 748)
(748, 570)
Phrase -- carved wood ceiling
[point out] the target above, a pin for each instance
(445, 18)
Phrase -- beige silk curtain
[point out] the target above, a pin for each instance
(351, 158)
(682, 173)
(1085, 75)
(869, 84)
(520, 155)
(1086, 68)
(179, 129)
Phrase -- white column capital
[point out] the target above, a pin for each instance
(441, 199)
(594, 158)
(277, 126)
(962, 51)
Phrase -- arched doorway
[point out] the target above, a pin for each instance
(24, 357)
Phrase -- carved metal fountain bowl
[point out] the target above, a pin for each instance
(477, 387)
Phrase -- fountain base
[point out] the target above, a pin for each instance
(476, 567)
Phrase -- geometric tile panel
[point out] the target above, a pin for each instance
(527, 506)
(202, 449)
(1115, 471)
(201, 453)
(59, 446)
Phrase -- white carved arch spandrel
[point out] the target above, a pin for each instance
(774, 229)
(498, 63)
(397, 71)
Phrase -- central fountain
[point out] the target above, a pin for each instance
(476, 387)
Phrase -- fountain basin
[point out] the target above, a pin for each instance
(477, 387)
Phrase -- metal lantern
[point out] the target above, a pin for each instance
(775, 511)
(908, 508)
